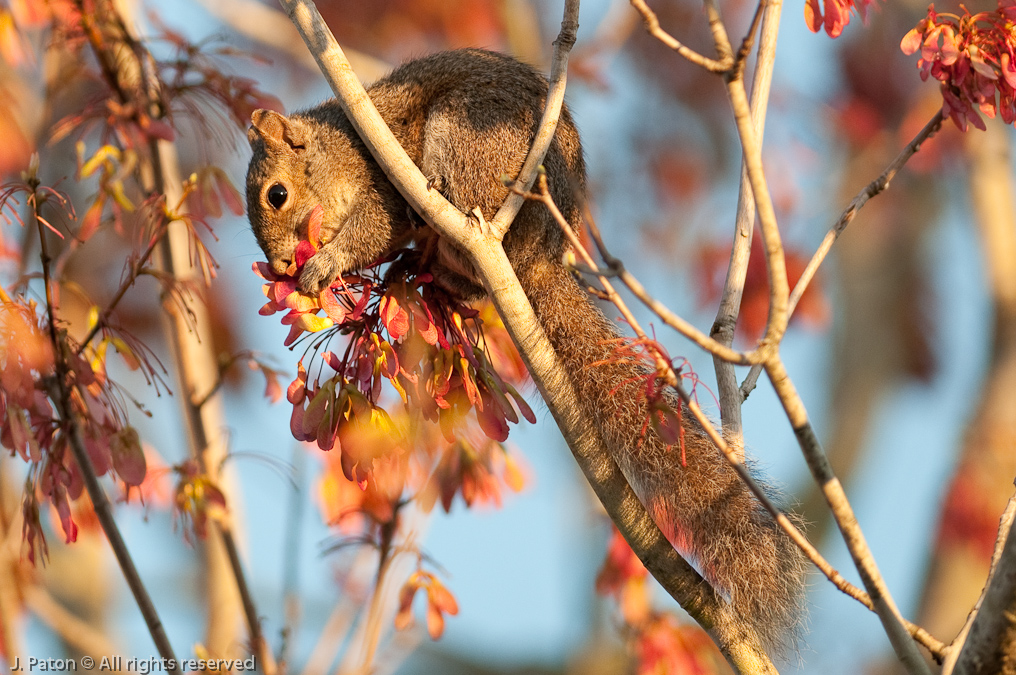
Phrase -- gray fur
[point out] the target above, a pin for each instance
(467, 118)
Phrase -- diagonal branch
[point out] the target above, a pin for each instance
(736, 459)
(654, 29)
(60, 392)
(843, 512)
(873, 189)
(548, 123)
(737, 269)
(977, 642)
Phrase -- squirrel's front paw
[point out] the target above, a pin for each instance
(318, 273)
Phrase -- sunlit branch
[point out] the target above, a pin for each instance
(749, 38)
(61, 395)
(493, 267)
(153, 180)
(737, 269)
(992, 618)
(616, 268)
(843, 513)
(934, 646)
(654, 29)
(548, 123)
(135, 271)
(873, 189)
(257, 638)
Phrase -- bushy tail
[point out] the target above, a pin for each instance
(703, 508)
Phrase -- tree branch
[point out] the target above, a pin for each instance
(61, 395)
(548, 123)
(986, 638)
(864, 561)
(654, 29)
(722, 331)
(873, 189)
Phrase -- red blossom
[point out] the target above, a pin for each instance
(833, 15)
(972, 56)
(440, 601)
(664, 645)
(623, 576)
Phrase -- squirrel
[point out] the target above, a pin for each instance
(467, 118)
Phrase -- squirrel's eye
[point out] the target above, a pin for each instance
(277, 195)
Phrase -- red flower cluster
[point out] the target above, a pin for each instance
(30, 427)
(402, 330)
(973, 57)
(836, 16)
(372, 340)
(440, 601)
(660, 643)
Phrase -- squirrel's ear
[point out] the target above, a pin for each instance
(275, 129)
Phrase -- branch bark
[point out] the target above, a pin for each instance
(990, 646)
(722, 331)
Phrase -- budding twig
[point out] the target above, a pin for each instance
(61, 395)
(654, 29)
(873, 189)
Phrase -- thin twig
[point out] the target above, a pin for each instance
(199, 420)
(257, 639)
(843, 513)
(136, 269)
(741, 58)
(654, 29)
(616, 268)
(60, 392)
(775, 265)
(935, 647)
(740, 251)
(873, 189)
(548, 123)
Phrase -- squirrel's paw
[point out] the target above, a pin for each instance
(318, 273)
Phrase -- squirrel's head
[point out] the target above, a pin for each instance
(278, 196)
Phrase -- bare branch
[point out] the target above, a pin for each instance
(60, 391)
(737, 269)
(958, 648)
(990, 642)
(257, 638)
(735, 458)
(616, 268)
(873, 189)
(654, 29)
(861, 554)
(548, 123)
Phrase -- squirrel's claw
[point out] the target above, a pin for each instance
(318, 273)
